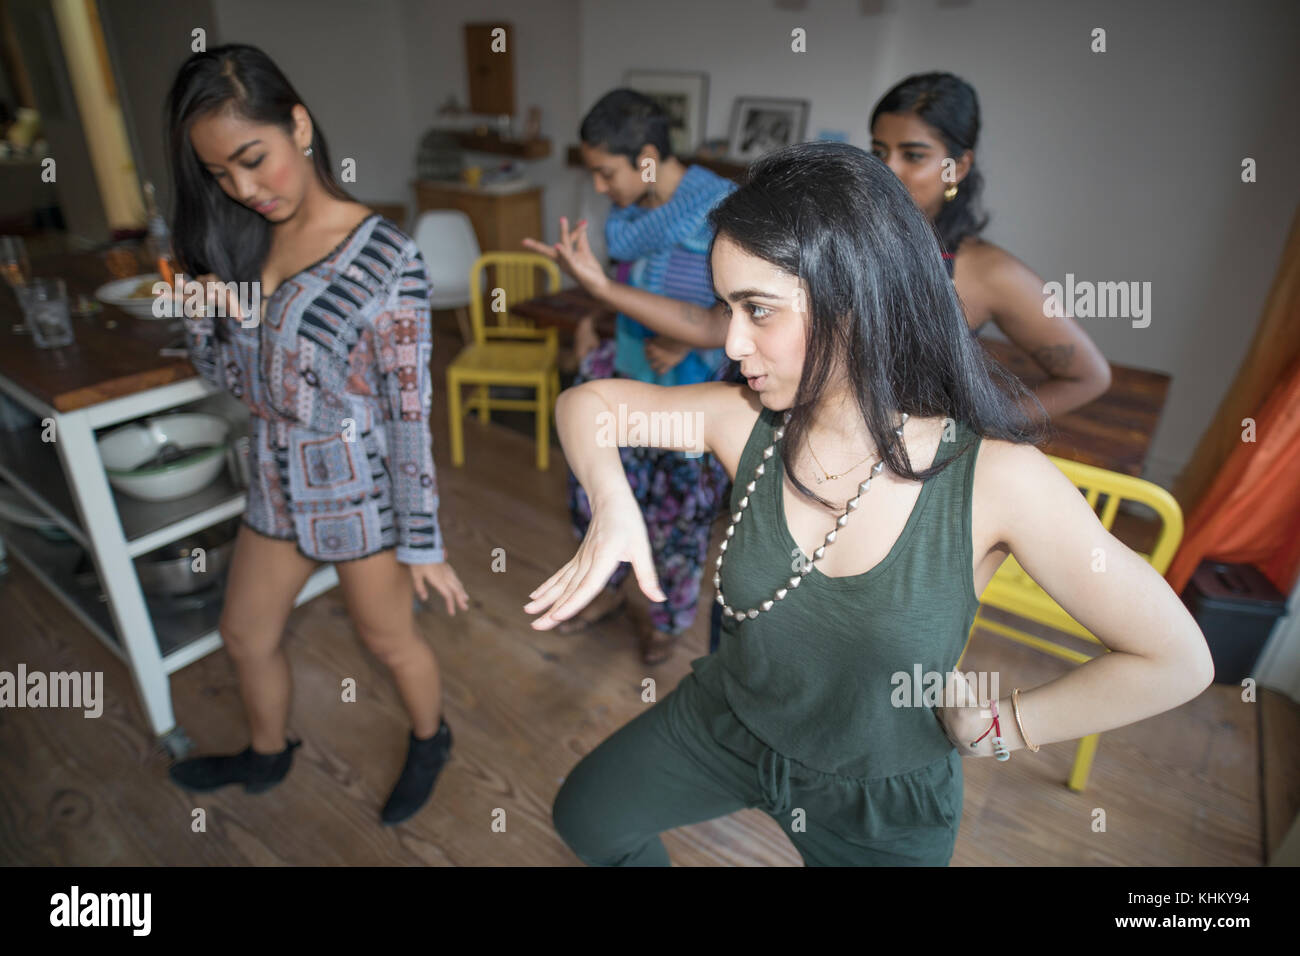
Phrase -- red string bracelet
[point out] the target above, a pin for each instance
(999, 745)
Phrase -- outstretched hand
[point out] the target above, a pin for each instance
(617, 533)
(574, 256)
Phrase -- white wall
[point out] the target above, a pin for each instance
(374, 74)
(347, 62)
(1116, 166)
(546, 57)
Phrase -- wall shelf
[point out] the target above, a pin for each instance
(491, 143)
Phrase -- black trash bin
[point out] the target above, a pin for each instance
(1236, 607)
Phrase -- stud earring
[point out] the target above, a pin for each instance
(307, 151)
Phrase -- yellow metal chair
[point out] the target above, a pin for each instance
(509, 352)
(1013, 590)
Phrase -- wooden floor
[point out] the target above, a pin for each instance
(1180, 789)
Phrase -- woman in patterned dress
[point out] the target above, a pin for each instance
(334, 367)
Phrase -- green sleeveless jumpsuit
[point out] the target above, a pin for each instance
(810, 710)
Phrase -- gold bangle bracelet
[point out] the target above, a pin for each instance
(1015, 705)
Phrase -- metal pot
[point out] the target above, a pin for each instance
(170, 569)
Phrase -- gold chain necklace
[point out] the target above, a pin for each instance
(829, 476)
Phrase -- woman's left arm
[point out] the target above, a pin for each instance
(1077, 370)
(1158, 657)
(403, 343)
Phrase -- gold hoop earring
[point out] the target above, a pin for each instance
(950, 193)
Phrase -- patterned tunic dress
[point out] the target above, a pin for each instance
(336, 375)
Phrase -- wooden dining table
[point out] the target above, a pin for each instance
(1113, 431)
(113, 354)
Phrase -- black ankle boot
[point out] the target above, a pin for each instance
(257, 772)
(424, 761)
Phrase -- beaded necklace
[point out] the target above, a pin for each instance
(840, 522)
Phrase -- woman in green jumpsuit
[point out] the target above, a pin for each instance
(851, 339)
(787, 715)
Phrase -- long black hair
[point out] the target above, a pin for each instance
(210, 231)
(949, 105)
(878, 295)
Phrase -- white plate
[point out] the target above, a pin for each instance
(118, 293)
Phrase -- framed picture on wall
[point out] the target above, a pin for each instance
(683, 96)
(760, 125)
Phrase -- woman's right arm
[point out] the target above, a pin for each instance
(598, 417)
(594, 420)
(222, 349)
(205, 350)
(695, 325)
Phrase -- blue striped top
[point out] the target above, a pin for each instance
(669, 248)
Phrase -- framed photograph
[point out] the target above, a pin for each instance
(683, 96)
(760, 125)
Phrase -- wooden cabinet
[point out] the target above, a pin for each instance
(490, 58)
(501, 220)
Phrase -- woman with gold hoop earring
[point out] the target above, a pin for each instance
(925, 129)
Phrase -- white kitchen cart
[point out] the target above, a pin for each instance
(65, 480)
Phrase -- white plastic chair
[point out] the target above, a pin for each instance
(449, 247)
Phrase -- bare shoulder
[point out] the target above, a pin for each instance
(980, 251)
(1011, 465)
(988, 262)
(729, 411)
(971, 266)
(735, 410)
(1017, 485)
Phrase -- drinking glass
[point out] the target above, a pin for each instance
(45, 303)
(15, 267)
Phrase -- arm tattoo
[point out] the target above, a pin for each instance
(1055, 359)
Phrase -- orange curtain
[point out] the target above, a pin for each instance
(1251, 513)
(1275, 345)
